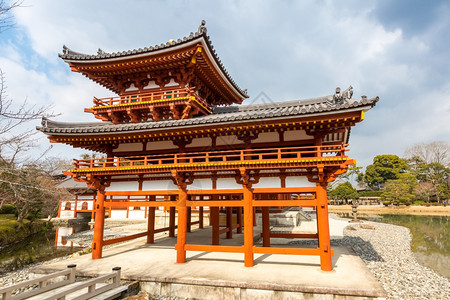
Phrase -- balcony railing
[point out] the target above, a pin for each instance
(307, 153)
(153, 97)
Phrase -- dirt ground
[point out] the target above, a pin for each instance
(400, 210)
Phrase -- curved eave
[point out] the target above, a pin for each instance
(75, 59)
(274, 114)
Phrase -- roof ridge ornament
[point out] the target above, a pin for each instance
(339, 98)
(202, 28)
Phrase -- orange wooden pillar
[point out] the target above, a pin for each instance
(239, 219)
(182, 226)
(229, 212)
(200, 217)
(215, 225)
(189, 216)
(266, 226)
(248, 226)
(172, 217)
(151, 222)
(214, 215)
(323, 228)
(99, 225)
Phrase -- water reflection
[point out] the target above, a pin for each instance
(62, 236)
(430, 238)
(39, 247)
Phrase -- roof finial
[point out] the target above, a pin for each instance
(202, 27)
(65, 49)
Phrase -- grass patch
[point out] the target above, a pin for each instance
(9, 225)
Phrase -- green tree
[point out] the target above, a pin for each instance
(400, 191)
(385, 167)
(344, 191)
(353, 170)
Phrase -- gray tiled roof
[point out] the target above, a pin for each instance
(230, 114)
(69, 55)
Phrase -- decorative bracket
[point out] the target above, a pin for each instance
(182, 179)
(247, 178)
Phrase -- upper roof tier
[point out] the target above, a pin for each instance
(187, 62)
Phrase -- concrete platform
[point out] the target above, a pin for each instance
(208, 275)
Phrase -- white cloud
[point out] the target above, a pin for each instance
(286, 49)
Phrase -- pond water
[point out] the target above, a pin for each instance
(39, 247)
(430, 238)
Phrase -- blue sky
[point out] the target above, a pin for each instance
(397, 50)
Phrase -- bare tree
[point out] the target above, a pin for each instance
(23, 183)
(435, 152)
(6, 20)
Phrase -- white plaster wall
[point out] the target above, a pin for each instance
(228, 183)
(136, 214)
(201, 184)
(296, 135)
(171, 83)
(227, 140)
(85, 197)
(129, 147)
(151, 85)
(89, 204)
(200, 142)
(118, 214)
(123, 186)
(161, 145)
(267, 137)
(159, 185)
(268, 182)
(298, 181)
(132, 88)
(67, 214)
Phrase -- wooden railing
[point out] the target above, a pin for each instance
(95, 286)
(155, 96)
(45, 283)
(215, 157)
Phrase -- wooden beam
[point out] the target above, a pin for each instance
(140, 203)
(284, 203)
(141, 193)
(210, 248)
(216, 203)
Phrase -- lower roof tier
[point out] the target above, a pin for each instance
(324, 115)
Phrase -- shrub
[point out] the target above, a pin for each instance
(8, 209)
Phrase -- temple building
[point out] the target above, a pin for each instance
(178, 138)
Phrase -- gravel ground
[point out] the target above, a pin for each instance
(383, 247)
(386, 251)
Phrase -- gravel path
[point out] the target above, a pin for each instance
(383, 247)
(386, 251)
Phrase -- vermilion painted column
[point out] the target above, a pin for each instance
(266, 226)
(323, 228)
(151, 222)
(239, 219)
(99, 225)
(215, 225)
(182, 226)
(189, 215)
(248, 227)
(229, 212)
(200, 217)
(172, 218)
